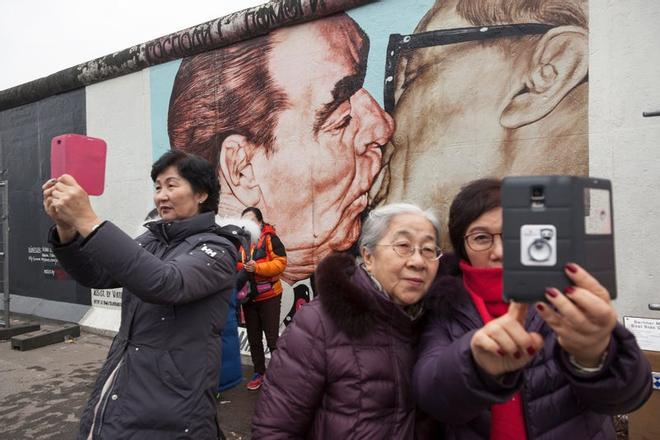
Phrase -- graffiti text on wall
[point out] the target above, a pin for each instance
(254, 21)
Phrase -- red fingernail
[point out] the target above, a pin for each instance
(571, 267)
(569, 290)
(551, 292)
(517, 355)
(540, 307)
(501, 353)
(531, 351)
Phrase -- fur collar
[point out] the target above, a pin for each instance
(447, 293)
(351, 307)
(351, 300)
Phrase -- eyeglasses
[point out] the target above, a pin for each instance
(481, 241)
(406, 250)
(399, 43)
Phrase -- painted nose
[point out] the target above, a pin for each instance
(374, 126)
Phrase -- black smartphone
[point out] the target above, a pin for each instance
(549, 221)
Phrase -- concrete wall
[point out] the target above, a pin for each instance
(447, 125)
(624, 75)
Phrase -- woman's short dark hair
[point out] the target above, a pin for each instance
(255, 211)
(197, 171)
(475, 199)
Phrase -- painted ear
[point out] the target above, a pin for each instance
(560, 62)
(236, 168)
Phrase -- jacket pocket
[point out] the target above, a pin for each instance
(172, 377)
(153, 394)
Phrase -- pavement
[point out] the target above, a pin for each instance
(43, 391)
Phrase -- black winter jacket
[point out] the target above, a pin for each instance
(177, 281)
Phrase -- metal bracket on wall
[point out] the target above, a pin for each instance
(654, 306)
(651, 114)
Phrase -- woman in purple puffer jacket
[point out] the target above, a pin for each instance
(490, 370)
(343, 368)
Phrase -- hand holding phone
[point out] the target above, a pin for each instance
(582, 317)
(82, 157)
(67, 203)
(549, 221)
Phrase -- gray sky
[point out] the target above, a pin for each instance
(40, 37)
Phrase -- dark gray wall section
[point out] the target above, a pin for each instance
(25, 134)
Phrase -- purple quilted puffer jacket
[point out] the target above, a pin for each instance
(343, 368)
(558, 402)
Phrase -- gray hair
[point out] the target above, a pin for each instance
(378, 221)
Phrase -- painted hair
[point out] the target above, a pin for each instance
(223, 92)
(556, 12)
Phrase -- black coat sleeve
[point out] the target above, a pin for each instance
(207, 268)
(80, 265)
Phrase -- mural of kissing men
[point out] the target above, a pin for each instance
(291, 130)
(486, 88)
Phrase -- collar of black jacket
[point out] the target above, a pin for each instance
(178, 230)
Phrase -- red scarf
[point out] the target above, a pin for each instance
(485, 288)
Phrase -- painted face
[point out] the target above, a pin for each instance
(174, 197)
(449, 103)
(326, 152)
(405, 279)
(490, 222)
(460, 99)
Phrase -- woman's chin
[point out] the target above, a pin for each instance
(408, 298)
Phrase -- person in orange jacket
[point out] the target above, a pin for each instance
(265, 261)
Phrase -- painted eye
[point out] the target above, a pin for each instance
(343, 123)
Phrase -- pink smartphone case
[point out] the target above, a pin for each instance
(83, 157)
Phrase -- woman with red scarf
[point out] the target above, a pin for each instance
(265, 262)
(491, 370)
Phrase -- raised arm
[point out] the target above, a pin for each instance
(600, 359)
(447, 382)
(208, 268)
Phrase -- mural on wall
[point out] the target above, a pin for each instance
(481, 88)
(291, 130)
(485, 88)
(317, 122)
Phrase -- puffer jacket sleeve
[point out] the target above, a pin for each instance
(277, 258)
(447, 382)
(295, 380)
(77, 263)
(624, 383)
(206, 269)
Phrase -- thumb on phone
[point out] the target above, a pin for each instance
(67, 179)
